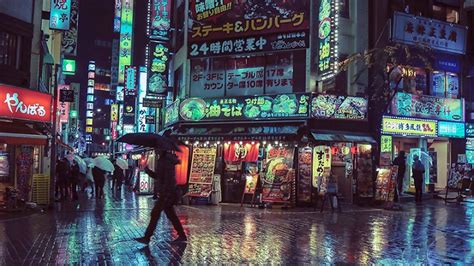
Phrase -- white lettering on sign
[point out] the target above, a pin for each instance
(13, 101)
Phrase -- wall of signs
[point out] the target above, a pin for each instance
(409, 126)
(158, 70)
(339, 107)
(160, 19)
(126, 38)
(282, 106)
(60, 15)
(69, 40)
(436, 34)
(422, 106)
(327, 37)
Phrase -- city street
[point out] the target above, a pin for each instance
(102, 231)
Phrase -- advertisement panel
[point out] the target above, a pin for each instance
(339, 107)
(142, 110)
(202, 171)
(322, 158)
(436, 34)
(160, 19)
(158, 70)
(17, 103)
(423, 106)
(282, 106)
(279, 174)
(469, 130)
(69, 40)
(409, 127)
(451, 129)
(229, 19)
(126, 32)
(245, 81)
(114, 109)
(261, 43)
(172, 113)
(60, 15)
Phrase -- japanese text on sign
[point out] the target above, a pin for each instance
(408, 126)
(60, 14)
(160, 18)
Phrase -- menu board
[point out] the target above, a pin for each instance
(146, 183)
(304, 174)
(386, 181)
(202, 171)
(251, 183)
(277, 181)
(281, 106)
(365, 182)
(4, 164)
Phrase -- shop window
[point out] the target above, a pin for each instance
(445, 84)
(6, 163)
(446, 13)
(410, 79)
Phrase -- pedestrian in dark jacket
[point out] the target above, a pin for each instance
(167, 196)
(99, 180)
(418, 170)
(62, 171)
(401, 163)
(117, 177)
(74, 179)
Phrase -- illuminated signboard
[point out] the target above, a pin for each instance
(142, 111)
(409, 127)
(469, 130)
(69, 66)
(114, 112)
(60, 15)
(130, 80)
(469, 143)
(119, 93)
(436, 34)
(386, 144)
(63, 107)
(126, 32)
(129, 110)
(160, 22)
(451, 129)
(90, 99)
(470, 156)
(69, 39)
(429, 107)
(281, 106)
(117, 15)
(339, 107)
(158, 71)
(328, 38)
(172, 113)
(24, 104)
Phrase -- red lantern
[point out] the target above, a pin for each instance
(354, 149)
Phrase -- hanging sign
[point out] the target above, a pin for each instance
(327, 37)
(114, 109)
(339, 107)
(158, 71)
(160, 19)
(69, 40)
(126, 38)
(24, 104)
(469, 130)
(66, 95)
(130, 80)
(60, 15)
(429, 107)
(152, 103)
(386, 144)
(409, 126)
(281, 106)
(434, 33)
(117, 15)
(322, 157)
(172, 113)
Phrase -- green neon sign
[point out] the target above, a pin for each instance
(69, 66)
(126, 36)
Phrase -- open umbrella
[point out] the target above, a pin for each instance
(151, 140)
(88, 160)
(80, 162)
(103, 163)
(122, 163)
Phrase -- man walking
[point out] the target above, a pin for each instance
(167, 196)
(401, 163)
(418, 170)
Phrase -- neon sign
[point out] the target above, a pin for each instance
(328, 38)
(126, 37)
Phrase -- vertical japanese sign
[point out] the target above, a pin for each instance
(160, 19)
(60, 15)
(142, 111)
(129, 110)
(114, 62)
(69, 40)
(117, 15)
(126, 37)
(90, 101)
(327, 38)
(322, 158)
(63, 108)
(114, 109)
(130, 80)
(158, 71)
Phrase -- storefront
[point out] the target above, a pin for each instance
(23, 143)
(341, 148)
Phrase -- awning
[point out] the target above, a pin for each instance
(18, 134)
(336, 136)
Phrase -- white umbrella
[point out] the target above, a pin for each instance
(104, 164)
(80, 162)
(122, 163)
(88, 160)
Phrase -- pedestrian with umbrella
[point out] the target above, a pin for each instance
(74, 179)
(165, 177)
(118, 176)
(101, 166)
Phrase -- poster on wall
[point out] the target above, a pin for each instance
(282, 106)
(305, 160)
(202, 171)
(322, 159)
(429, 107)
(158, 70)
(277, 180)
(338, 107)
(230, 19)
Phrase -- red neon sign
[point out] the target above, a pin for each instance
(24, 104)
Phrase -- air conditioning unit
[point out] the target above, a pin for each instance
(469, 5)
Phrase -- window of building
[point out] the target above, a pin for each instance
(10, 49)
(410, 79)
(446, 13)
(445, 84)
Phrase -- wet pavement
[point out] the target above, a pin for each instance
(101, 232)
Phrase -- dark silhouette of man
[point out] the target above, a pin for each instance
(418, 170)
(401, 163)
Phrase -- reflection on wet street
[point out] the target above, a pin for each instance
(101, 231)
